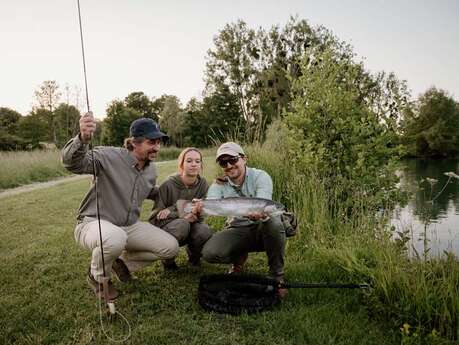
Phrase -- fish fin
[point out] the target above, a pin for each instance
(181, 204)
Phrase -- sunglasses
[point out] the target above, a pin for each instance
(224, 162)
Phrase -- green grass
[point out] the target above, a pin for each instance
(44, 298)
(23, 167)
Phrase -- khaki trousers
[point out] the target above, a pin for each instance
(228, 245)
(138, 245)
(192, 234)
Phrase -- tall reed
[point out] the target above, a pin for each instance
(419, 297)
(23, 167)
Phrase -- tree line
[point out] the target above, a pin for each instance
(251, 79)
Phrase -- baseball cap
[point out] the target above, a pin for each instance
(147, 128)
(230, 149)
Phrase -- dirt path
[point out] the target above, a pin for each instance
(41, 185)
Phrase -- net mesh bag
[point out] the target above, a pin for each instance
(236, 294)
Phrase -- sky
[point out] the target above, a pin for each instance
(160, 47)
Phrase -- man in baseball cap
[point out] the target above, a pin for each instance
(243, 235)
(125, 178)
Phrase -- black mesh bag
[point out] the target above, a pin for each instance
(249, 293)
(235, 294)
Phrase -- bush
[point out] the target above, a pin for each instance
(336, 134)
(418, 298)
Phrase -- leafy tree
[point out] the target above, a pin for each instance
(222, 113)
(216, 119)
(120, 114)
(258, 67)
(34, 127)
(337, 133)
(47, 96)
(232, 63)
(158, 103)
(432, 127)
(9, 120)
(66, 118)
(9, 123)
(171, 119)
(195, 131)
(11, 142)
(116, 125)
(141, 103)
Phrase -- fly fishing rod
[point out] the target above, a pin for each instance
(110, 303)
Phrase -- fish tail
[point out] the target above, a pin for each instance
(181, 204)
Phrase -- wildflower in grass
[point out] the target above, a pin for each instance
(431, 181)
(405, 329)
(450, 174)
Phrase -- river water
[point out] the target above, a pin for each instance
(431, 217)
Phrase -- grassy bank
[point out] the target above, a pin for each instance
(419, 299)
(23, 167)
(44, 298)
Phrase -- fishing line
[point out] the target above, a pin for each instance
(116, 312)
(110, 304)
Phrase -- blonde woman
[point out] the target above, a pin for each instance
(186, 184)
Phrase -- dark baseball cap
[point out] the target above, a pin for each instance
(147, 128)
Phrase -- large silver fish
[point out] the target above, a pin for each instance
(232, 207)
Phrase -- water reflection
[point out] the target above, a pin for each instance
(432, 215)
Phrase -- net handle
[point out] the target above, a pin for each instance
(322, 286)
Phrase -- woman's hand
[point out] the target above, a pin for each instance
(163, 214)
(196, 207)
(190, 217)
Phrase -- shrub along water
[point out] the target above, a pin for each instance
(332, 158)
(418, 297)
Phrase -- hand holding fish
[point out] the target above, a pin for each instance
(190, 217)
(196, 207)
(257, 216)
(163, 214)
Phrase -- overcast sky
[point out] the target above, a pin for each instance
(160, 46)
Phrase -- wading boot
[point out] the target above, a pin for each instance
(169, 265)
(98, 288)
(193, 259)
(121, 270)
(238, 266)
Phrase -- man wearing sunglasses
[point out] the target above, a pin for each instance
(255, 233)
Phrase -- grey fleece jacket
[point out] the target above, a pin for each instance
(174, 189)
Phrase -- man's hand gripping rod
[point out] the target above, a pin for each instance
(105, 279)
